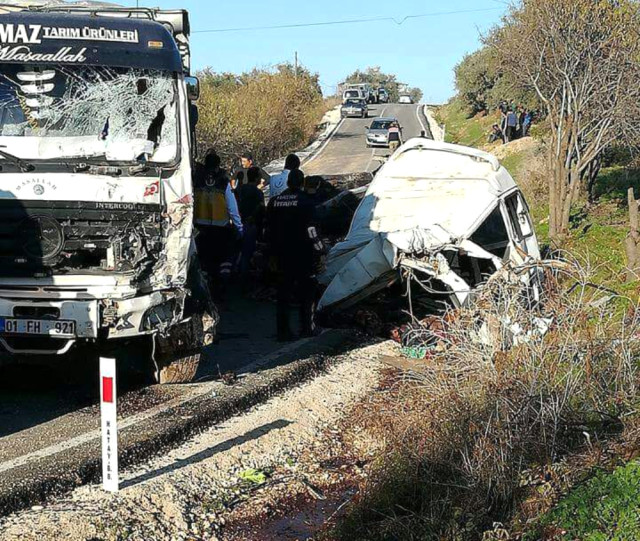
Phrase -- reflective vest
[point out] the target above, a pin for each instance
(211, 204)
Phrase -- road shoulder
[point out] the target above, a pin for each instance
(174, 496)
(49, 475)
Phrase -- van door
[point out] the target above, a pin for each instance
(520, 222)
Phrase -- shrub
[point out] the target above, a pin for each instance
(509, 384)
(266, 113)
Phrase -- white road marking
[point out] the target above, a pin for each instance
(419, 119)
(201, 390)
(321, 149)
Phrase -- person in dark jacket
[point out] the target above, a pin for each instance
(496, 134)
(294, 248)
(251, 205)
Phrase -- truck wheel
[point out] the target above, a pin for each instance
(178, 353)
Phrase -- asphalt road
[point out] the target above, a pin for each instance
(346, 152)
(49, 416)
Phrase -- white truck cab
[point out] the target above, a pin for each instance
(96, 205)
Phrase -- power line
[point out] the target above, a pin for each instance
(399, 22)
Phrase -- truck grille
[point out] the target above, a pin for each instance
(38, 238)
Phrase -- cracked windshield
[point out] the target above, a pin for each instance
(102, 113)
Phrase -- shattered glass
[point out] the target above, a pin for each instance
(122, 114)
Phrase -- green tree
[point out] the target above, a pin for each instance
(475, 76)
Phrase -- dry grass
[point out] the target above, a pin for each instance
(512, 385)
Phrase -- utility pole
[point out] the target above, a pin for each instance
(296, 64)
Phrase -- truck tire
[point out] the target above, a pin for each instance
(178, 351)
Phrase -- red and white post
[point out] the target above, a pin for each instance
(108, 414)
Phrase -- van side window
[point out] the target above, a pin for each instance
(492, 235)
(511, 203)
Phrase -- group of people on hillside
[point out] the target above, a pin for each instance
(231, 217)
(515, 122)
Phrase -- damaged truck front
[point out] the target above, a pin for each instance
(441, 216)
(95, 194)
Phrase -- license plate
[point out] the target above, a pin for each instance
(58, 327)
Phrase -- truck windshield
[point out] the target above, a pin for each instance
(98, 113)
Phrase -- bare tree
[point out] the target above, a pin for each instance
(632, 242)
(581, 57)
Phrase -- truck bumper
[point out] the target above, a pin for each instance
(106, 318)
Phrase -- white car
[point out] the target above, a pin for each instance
(352, 94)
(405, 99)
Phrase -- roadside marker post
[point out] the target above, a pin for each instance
(108, 414)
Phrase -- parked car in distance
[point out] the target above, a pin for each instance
(352, 93)
(405, 98)
(378, 133)
(366, 91)
(354, 107)
(383, 95)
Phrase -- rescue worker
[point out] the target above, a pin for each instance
(295, 250)
(218, 221)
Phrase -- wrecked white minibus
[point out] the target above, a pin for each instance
(95, 184)
(450, 214)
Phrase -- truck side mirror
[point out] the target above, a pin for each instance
(193, 88)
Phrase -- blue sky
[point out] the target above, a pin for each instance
(421, 51)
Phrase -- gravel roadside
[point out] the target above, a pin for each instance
(171, 497)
